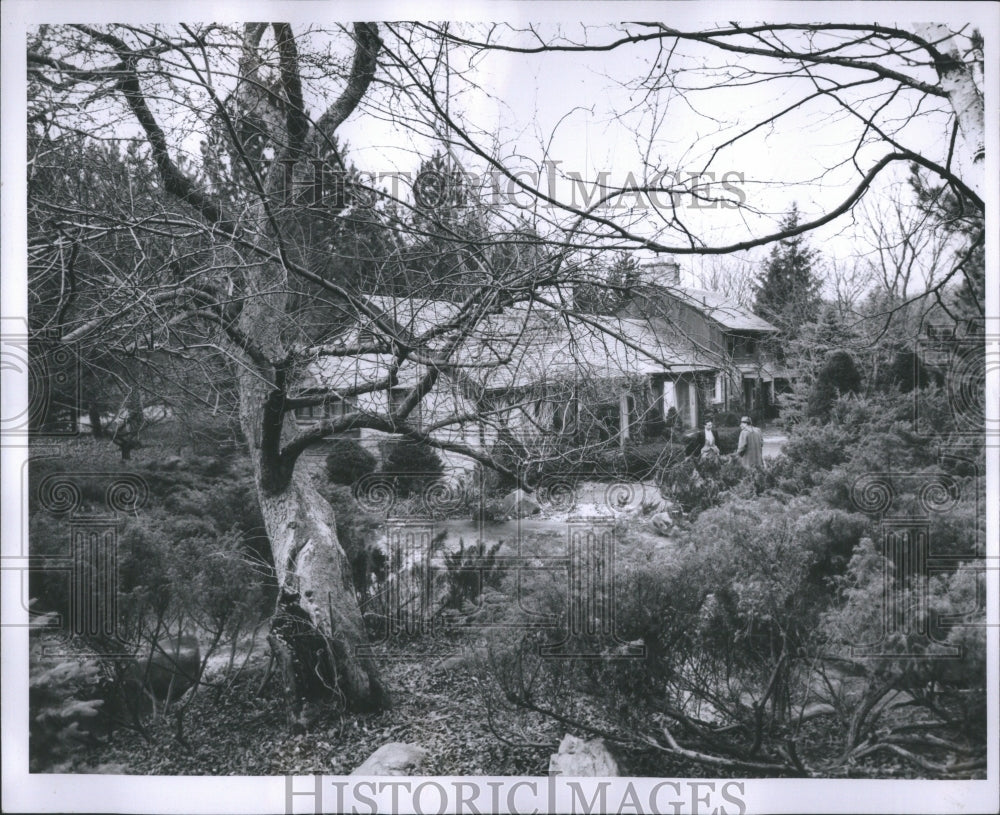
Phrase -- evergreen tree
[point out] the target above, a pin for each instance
(838, 376)
(786, 293)
(621, 279)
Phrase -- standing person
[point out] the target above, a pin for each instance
(751, 446)
(710, 447)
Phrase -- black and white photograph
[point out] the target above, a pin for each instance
(557, 407)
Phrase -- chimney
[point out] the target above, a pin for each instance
(666, 272)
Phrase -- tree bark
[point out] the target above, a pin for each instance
(317, 627)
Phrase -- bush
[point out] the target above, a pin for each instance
(469, 572)
(673, 422)
(63, 703)
(348, 461)
(699, 483)
(727, 419)
(727, 439)
(838, 376)
(413, 465)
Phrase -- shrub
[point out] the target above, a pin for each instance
(469, 572)
(817, 447)
(699, 483)
(348, 461)
(838, 377)
(727, 419)
(413, 465)
(64, 705)
(727, 438)
(673, 422)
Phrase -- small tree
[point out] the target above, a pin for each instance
(838, 376)
(787, 291)
(413, 464)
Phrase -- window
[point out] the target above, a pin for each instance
(332, 409)
(718, 396)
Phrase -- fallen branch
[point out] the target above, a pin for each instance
(946, 770)
(718, 761)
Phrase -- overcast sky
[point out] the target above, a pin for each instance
(578, 111)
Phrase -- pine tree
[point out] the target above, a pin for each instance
(621, 279)
(786, 293)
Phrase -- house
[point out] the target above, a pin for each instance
(546, 376)
(746, 378)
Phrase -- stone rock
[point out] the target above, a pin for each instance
(172, 463)
(518, 504)
(662, 523)
(579, 758)
(394, 758)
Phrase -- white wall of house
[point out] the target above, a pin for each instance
(681, 394)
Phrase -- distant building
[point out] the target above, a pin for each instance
(746, 376)
(545, 375)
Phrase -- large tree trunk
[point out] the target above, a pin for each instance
(317, 626)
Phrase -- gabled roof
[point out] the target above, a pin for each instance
(414, 314)
(523, 345)
(724, 311)
(526, 346)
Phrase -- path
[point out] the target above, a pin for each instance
(774, 440)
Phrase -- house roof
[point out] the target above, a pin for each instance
(413, 314)
(723, 310)
(524, 345)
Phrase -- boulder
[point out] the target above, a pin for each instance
(577, 758)
(394, 758)
(662, 522)
(518, 504)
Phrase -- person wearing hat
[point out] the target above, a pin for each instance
(751, 445)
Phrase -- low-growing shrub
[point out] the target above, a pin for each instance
(469, 572)
(64, 705)
(413, 465)
(348, 461)
(699, 483)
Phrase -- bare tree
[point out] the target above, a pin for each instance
(250, 241)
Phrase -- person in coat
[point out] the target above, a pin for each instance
(751, 445)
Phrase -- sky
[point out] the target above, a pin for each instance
(578, 113)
